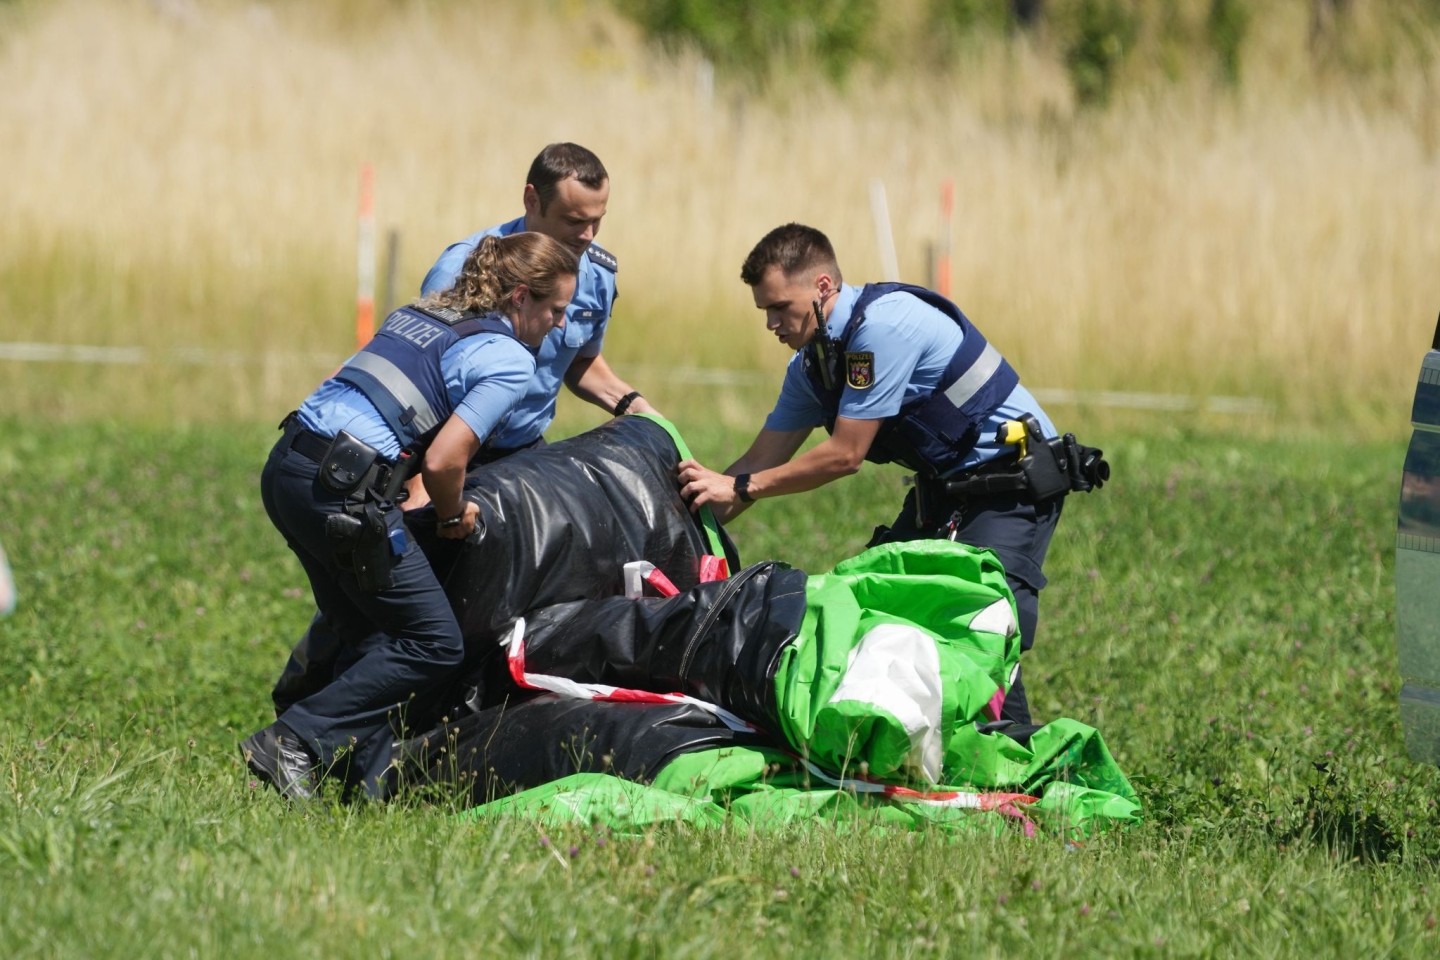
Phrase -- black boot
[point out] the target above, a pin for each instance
(1016, 710)
(280, 758)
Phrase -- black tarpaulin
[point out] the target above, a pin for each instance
(562, 520)
(518, 745)
(717, 641)
(559, 523)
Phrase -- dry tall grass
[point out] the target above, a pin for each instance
(184, 174)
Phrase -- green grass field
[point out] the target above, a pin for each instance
(1222, 612)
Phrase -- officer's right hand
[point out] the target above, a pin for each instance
(465, 527)
(700, 486)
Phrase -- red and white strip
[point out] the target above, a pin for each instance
(514, 644)
(1006, 804)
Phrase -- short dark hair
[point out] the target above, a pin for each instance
(561, 161)
(795, 249)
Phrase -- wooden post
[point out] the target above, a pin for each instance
(942, 257)
(884, 239)
(365, 260)
(392, 264)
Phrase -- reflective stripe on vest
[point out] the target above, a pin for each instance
(399, 369)
(399, 386)
(962, 391)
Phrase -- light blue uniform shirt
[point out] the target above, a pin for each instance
(912, 343)
(486, 376)
(582, 335)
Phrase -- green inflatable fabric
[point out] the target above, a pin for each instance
(900, 646)
(769, 789)
(905, 650)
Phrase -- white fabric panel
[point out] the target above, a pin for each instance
(897, 669)
(996, 618)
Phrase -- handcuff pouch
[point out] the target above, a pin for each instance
(346, 464)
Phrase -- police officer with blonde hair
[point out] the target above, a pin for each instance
(566, 194)
(438, 379)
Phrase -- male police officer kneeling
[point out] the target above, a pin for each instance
(898, 373)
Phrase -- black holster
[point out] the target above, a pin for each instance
(348, 465)
(360, 540)
(374, 558)
(359, 537)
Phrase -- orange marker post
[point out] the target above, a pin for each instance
(942, 254)
(365, 260)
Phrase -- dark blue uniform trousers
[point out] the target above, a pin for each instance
(1019, 531)
(320, 656)
(399, 642)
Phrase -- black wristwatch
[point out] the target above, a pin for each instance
(742, 488)
(625, 402)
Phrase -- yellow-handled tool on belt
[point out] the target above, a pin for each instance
(1014, 432)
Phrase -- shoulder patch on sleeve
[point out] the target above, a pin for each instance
(602, 257)
(860, 370)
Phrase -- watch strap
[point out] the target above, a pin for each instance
(742, 488)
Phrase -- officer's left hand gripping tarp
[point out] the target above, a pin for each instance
(881, 666)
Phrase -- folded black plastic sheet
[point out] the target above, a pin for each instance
(717, 641)
(515, 746)
(559, 524)
(562, 520)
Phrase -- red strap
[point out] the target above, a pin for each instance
(661, 583)
(713, 568)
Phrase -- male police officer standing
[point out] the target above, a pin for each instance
(566, 193)
(894, 372)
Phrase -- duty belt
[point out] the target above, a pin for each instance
(988, 479)
(1048, 469)
(939, 497)
(1042, 469)
(314, 446)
